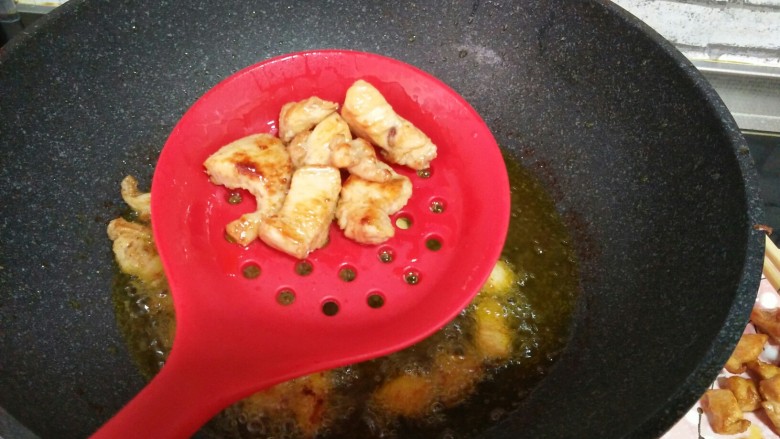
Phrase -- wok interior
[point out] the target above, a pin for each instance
(656, 189)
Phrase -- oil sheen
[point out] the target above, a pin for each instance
(447, 386)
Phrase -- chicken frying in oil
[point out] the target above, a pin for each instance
(133, 244)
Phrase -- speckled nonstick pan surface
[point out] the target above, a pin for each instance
(646, 165)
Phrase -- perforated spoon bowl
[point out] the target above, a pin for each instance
(250, 317)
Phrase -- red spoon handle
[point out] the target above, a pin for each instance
(175, 404)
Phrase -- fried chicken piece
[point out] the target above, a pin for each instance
(501, 281)
(244, 229)
(365, 207)
(451, 379)
(313, 148)
(492, 333)
(409, 395)
(748, 349)
(260, 164)
(772, 410)
(303, 222)
(359, 158)
(763, 370)
(768, 321)
(370, 116)
(305, 398)
(297, 149)
(723, 412)
(456, 376)
(770, 388)
(770, 391)
(744, 390)
(297, 117)
(139, 201)
(135, 252)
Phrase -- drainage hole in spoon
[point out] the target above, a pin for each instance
(330, 308)
(437, 205)
(285, 297)
(424, 173)
(375, 300)
(347, 273)
(251, 270)
(234, 197)
(386, 255)
(303, 268)
(411, 276)
(403, 222)
(433, 243)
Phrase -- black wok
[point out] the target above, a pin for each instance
(645, 164)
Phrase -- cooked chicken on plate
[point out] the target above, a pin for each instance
(260, 164)
(370, 116)
(365, 207)
(302, 223)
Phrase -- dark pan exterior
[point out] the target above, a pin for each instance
(645, 163)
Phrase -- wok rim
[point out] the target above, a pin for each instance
(708, 368)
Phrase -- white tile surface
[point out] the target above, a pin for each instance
(715, 30)
(42, 2)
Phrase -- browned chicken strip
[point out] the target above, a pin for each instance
(302, 223)
(139, 201)
(297, 117)
(451, 380)
(493, 336)
(135, 252)
(260, 164)
(370, 116)
(359, 158)
(365, 207)
(306, 399)
(313, 148)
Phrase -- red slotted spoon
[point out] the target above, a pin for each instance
(347, 302)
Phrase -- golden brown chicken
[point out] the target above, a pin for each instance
(305, 399)
(723, 412)
(303, 222)
(747, 351)
(763, 370)
(297, 117)
(260, 164)
(370, 116)
(313, 148)
(135, 252)
(359, 158)
(745, 391)
(365, 207)
(492, 333)
(450, 380)
(139, 201)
